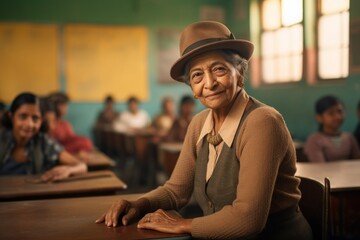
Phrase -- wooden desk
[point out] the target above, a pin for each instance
(343, 175)
(345, 193)
(68, 219)
(168, 156)
(15, 188)
(97, 160)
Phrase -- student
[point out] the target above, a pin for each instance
(2, 111)
(186, 112)
(238, 158)
(330, 143)
(357, 130)
(63, 131)
(163, 121)
(107, 116)
(25, 148)
(133, 119)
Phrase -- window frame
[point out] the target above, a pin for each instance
(317, 36)
(282, 26)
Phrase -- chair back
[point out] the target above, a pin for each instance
(315, 205)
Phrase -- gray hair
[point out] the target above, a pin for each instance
(241, 64)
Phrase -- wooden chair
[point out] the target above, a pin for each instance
(315, 205)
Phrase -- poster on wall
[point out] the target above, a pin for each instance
(167, 53)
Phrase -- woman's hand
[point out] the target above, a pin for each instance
(129, 211)
(57, 173)
(165, 221)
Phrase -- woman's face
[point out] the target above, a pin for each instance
(187, 109)
(214, 80)
(51, 120)
(332, 118)
(62, 109)
(26, 121)
(133, 107)
(169, 107)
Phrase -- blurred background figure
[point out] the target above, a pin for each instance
(330, 143)
(186, 112)
(48, 109)
(2, 111)
(357, 130)
(107, 116)
(164, 120)
(133, 119)
(62, 130)
(25, 148)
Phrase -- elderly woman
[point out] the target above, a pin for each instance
(238, 157)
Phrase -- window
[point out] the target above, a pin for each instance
(333, 39)
(282, 41)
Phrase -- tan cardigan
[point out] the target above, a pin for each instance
(266, 178)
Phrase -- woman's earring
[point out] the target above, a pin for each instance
(196, 97)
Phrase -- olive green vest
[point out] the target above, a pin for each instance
(221, 188)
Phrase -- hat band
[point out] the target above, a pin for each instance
(206, 41)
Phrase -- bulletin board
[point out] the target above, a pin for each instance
(28, 59)
(103, 60)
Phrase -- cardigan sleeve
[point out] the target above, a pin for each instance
(177, 191)
(261, 146)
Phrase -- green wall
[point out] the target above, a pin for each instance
(294, 101)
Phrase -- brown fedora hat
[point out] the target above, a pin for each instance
(204, 36)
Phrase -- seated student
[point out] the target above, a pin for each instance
(2, 111)
(63, 131)
(107, 116)
(178, 130)
(163, 121)
(133, 119)
(329, 143)
(25, 148)
(357, 130)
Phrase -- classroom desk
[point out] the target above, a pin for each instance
(344, 175)
(97, 160)
(68, 219)
(168, 156)
(344, 179)
(15, 188)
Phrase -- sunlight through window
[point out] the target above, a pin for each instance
(333, 39)
(292, 11)
(282, 41)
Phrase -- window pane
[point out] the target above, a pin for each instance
(333, 6)
(283, 41)
(330, 31)
(268, 70)
(297, 67)
(284, 69)
(271, 14)
(268, 44)
(292, 12)
(345, 29)
(345, 62)
(296, 39)
(333, 63)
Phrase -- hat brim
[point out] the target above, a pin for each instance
(242, 47)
